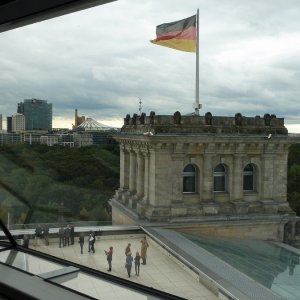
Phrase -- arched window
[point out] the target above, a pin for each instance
(220, 178)
(189, 179)
(248, 178)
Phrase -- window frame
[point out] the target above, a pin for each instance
(249, 174)
(218, 174)
(193, 175)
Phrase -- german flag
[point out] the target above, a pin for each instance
(180, 35)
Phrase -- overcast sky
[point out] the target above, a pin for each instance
(100, 61)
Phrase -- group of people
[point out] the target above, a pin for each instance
(42, 232)
(91, 242)
(137, 258)
(109, 253)
(66, 235)
(66, 238)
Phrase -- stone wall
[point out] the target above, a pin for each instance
(154, 151)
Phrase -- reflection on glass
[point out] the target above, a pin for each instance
(101, 289)
(27, 262)
(272, 266)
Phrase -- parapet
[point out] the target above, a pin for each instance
(207, 124)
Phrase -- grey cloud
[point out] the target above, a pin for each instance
(101, 61)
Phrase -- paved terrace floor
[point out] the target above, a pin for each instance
(161, 272)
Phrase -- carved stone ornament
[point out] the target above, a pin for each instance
(208, 118)
(177, 117)
(238, 119)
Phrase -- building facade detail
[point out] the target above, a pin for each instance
(174, 167)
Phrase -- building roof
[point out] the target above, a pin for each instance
(91, 124)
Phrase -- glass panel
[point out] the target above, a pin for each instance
(219, 178)
(219, 183)
(219, 168)
(189, 184)
(248, 183)
(189, 168)
(272, 266)
(27, 262)
(248, 168)
(101, 289)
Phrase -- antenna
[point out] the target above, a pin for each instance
(140, 106)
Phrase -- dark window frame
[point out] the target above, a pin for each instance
(220, 178)
(189, 179)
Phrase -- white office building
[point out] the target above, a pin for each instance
(18, 122)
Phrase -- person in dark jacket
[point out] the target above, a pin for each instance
(61, 235)
(81, 242)
(109, 255)
(38, 234)
(72, 234)
(137, 262)
(67, 235)
(46, 234)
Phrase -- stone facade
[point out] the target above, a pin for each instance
(178, 167)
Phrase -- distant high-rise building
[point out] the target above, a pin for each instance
(38, 114)
(18, 122)
(9, 124)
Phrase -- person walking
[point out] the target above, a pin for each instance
(128, 264)
(127, 249)
(72, 234)
(38, 234)
(109, 255)
(137, 261)
(91, 242)
(67, 235)
(61, 235)
(81, 242)
(144, 248)
(46, 234)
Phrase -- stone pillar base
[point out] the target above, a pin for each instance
(269, 206)
(132, 202)
(285, 208)
(141, 209)
(240, 207)
(125, 197)
(210, 209)
(158, 213)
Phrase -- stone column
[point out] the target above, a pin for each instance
(143, 184)
(177, 178)
(267, 177)
(280, 180)
(124, 169)
(237, 179)
(132, 172)
(146, 179)
(207, 178)
(140, 175)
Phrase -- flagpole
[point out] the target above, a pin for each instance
(197, 104)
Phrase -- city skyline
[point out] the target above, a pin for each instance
(90, 60)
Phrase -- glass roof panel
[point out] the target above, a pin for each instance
(28, 262)
(99, 288)
(273, 266)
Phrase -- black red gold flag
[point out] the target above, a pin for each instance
(180, 35)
